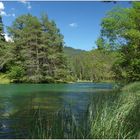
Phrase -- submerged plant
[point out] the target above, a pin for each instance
(62, 124)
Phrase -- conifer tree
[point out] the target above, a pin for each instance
(38, 50)
(2, 39)
(26, 32)
(53, 45)
(2, 43)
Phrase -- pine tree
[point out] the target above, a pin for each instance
(2, 43)
(38, 50)
(55, 64)
(2, 39)
(26, 31)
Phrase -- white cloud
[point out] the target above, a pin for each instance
(27, 3)
(3, 13)
(23, 1)
(1, 6)
(73, 24)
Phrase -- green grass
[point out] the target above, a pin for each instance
(108, 116)
(119, 119)
(4, 79)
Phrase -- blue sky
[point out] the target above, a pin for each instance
(79, 22)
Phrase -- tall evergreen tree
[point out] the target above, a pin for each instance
(55, 64)
(26, 32)
(2, 39)
(2, 44)
(38, 50)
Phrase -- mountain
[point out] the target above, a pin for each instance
(69, 51)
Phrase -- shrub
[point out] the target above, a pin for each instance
(16, 73)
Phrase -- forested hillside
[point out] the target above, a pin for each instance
(70, 52)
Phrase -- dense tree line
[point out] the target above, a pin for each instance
(95, 65)
(37, 51)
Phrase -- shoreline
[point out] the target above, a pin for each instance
(5, 80)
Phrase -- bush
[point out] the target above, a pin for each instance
(16, 73)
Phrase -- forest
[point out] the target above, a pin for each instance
(37, 52)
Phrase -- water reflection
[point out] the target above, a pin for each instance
(18, 101)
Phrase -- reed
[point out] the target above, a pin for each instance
(108, 116)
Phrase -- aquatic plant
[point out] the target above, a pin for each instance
(119, 119)
(108, 116)
(62, 124)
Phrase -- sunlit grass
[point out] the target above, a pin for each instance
(119, 119)
(4, 79)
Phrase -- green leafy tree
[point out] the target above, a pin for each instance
(121, 29)
(100, 43)
(15, 73)
(95, 65)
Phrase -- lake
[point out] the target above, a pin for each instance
(17, 99)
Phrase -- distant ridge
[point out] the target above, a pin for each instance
(69, 51)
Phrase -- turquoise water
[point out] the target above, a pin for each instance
(17, 99)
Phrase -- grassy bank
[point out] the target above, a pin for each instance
(4, 79)
(110, 116)
(118, 119)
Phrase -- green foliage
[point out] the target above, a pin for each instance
(26, 32)
(121, 29)
(100, 43)
(119, 118)
(132, 88)
(2, 39)
(95, 65)
(4, 79)
(70, 52)
(2, 42)
(5, 50)
(16, 72)
(38, 49)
